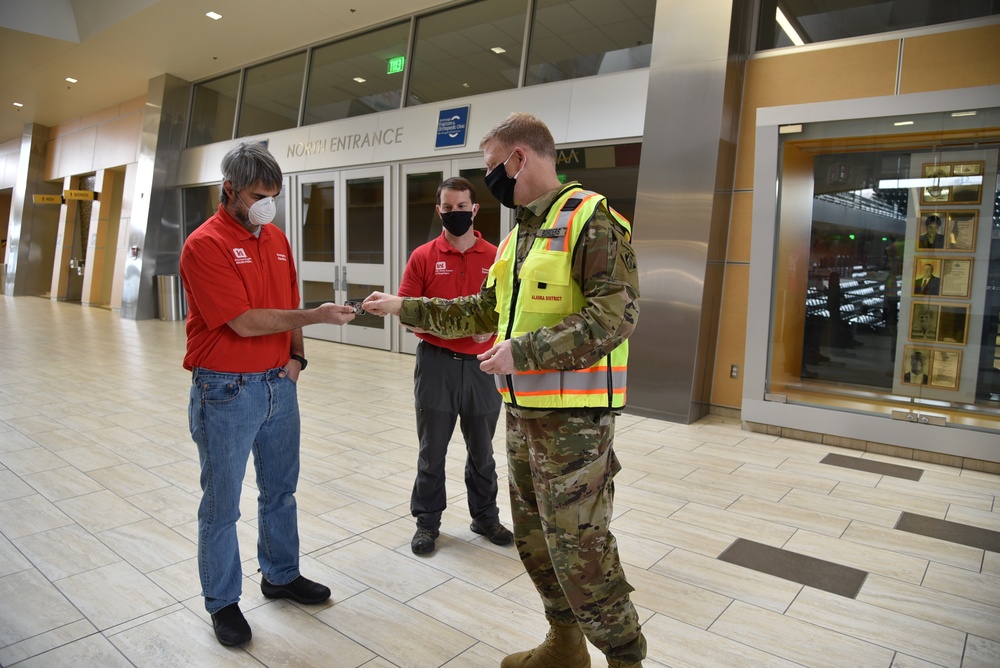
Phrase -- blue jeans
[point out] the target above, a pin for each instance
(230, 415)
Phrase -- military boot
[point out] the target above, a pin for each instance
(564, 647)
(613, 663)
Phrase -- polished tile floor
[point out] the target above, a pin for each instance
(719, 528)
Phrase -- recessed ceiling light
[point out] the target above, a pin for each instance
(18, 104)
(498, 50)
(963, 113)
(360, 79)
(214, 16)
(901, 123)
(71, 79)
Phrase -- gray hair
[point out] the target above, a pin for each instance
(247, 165)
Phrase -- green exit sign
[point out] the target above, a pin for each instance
(396, 65)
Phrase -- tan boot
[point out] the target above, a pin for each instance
(564, 647)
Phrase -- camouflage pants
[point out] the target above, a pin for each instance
(560, 469)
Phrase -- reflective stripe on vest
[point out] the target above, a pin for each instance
(599, 386)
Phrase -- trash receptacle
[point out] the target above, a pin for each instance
(170, 294)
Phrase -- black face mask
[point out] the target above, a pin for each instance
(502, 185)
(457, 222)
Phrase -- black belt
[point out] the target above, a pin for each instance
(465, 357)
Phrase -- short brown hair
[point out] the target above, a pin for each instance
(456, 183)
(525, 129)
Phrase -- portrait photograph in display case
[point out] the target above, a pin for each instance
(952, 323)
(924, 322)
(916, 365)
(961, 187)
(946, 367)
(961, 229)
(930, 231)
(926, 276)
(956, 278)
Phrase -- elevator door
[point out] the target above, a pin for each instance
(342, 241)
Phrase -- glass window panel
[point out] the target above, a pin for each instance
(357, 292)
(318, 217)
(468, 50)
(334, 91)
(366, 220)
(885, 297)
(422, 221)
(214, 110)
(488, 218)
(797, 22)
(581, 38)
(271, 96)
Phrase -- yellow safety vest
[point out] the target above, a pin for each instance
(543, 294)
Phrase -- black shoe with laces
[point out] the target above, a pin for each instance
(231, 626)
(423, 540)
(301, 590)
(497, 533)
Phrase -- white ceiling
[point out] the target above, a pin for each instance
(114, 47)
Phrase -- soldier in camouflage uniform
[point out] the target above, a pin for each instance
(561, 461)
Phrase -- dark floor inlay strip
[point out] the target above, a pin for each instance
(809, 571)
(953, 532)
(872, 466)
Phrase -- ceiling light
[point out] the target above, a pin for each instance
(786, 25)
(214, 16)
(71, 79)
(963, 113)
(18, 104)
(498, 50)
(902, 123)
(360, 79)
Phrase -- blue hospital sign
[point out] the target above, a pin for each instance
(452, 126)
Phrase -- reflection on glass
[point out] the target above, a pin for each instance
(581, 38)
(271, 95)
(318, 217)
(471, 49)
(353, 77)
(315, 293)
(213, 110)
(366, 220)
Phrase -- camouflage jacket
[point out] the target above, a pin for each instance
(604, 266)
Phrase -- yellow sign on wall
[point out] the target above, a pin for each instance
(47, 199)
(79, 195)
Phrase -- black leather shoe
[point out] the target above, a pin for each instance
(497, 533)
(231, 626)
(301, 590)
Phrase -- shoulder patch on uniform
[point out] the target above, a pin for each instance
(629, 260)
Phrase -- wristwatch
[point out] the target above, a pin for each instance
(301, 360)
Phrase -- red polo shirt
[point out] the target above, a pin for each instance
(438, 269)
(227, 271)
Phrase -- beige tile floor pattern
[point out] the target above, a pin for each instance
(99, 491)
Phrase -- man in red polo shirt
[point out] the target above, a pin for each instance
(448, 382)
(245, 352)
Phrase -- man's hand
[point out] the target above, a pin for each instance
(498, 360)
(335, 314)
(382, 304)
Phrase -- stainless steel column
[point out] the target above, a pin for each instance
(155, 217)
(31, 231)
(684, 200)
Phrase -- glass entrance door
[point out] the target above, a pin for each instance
(420, 222)
(342, 240)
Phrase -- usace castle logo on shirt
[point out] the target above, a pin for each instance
(241, 256)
